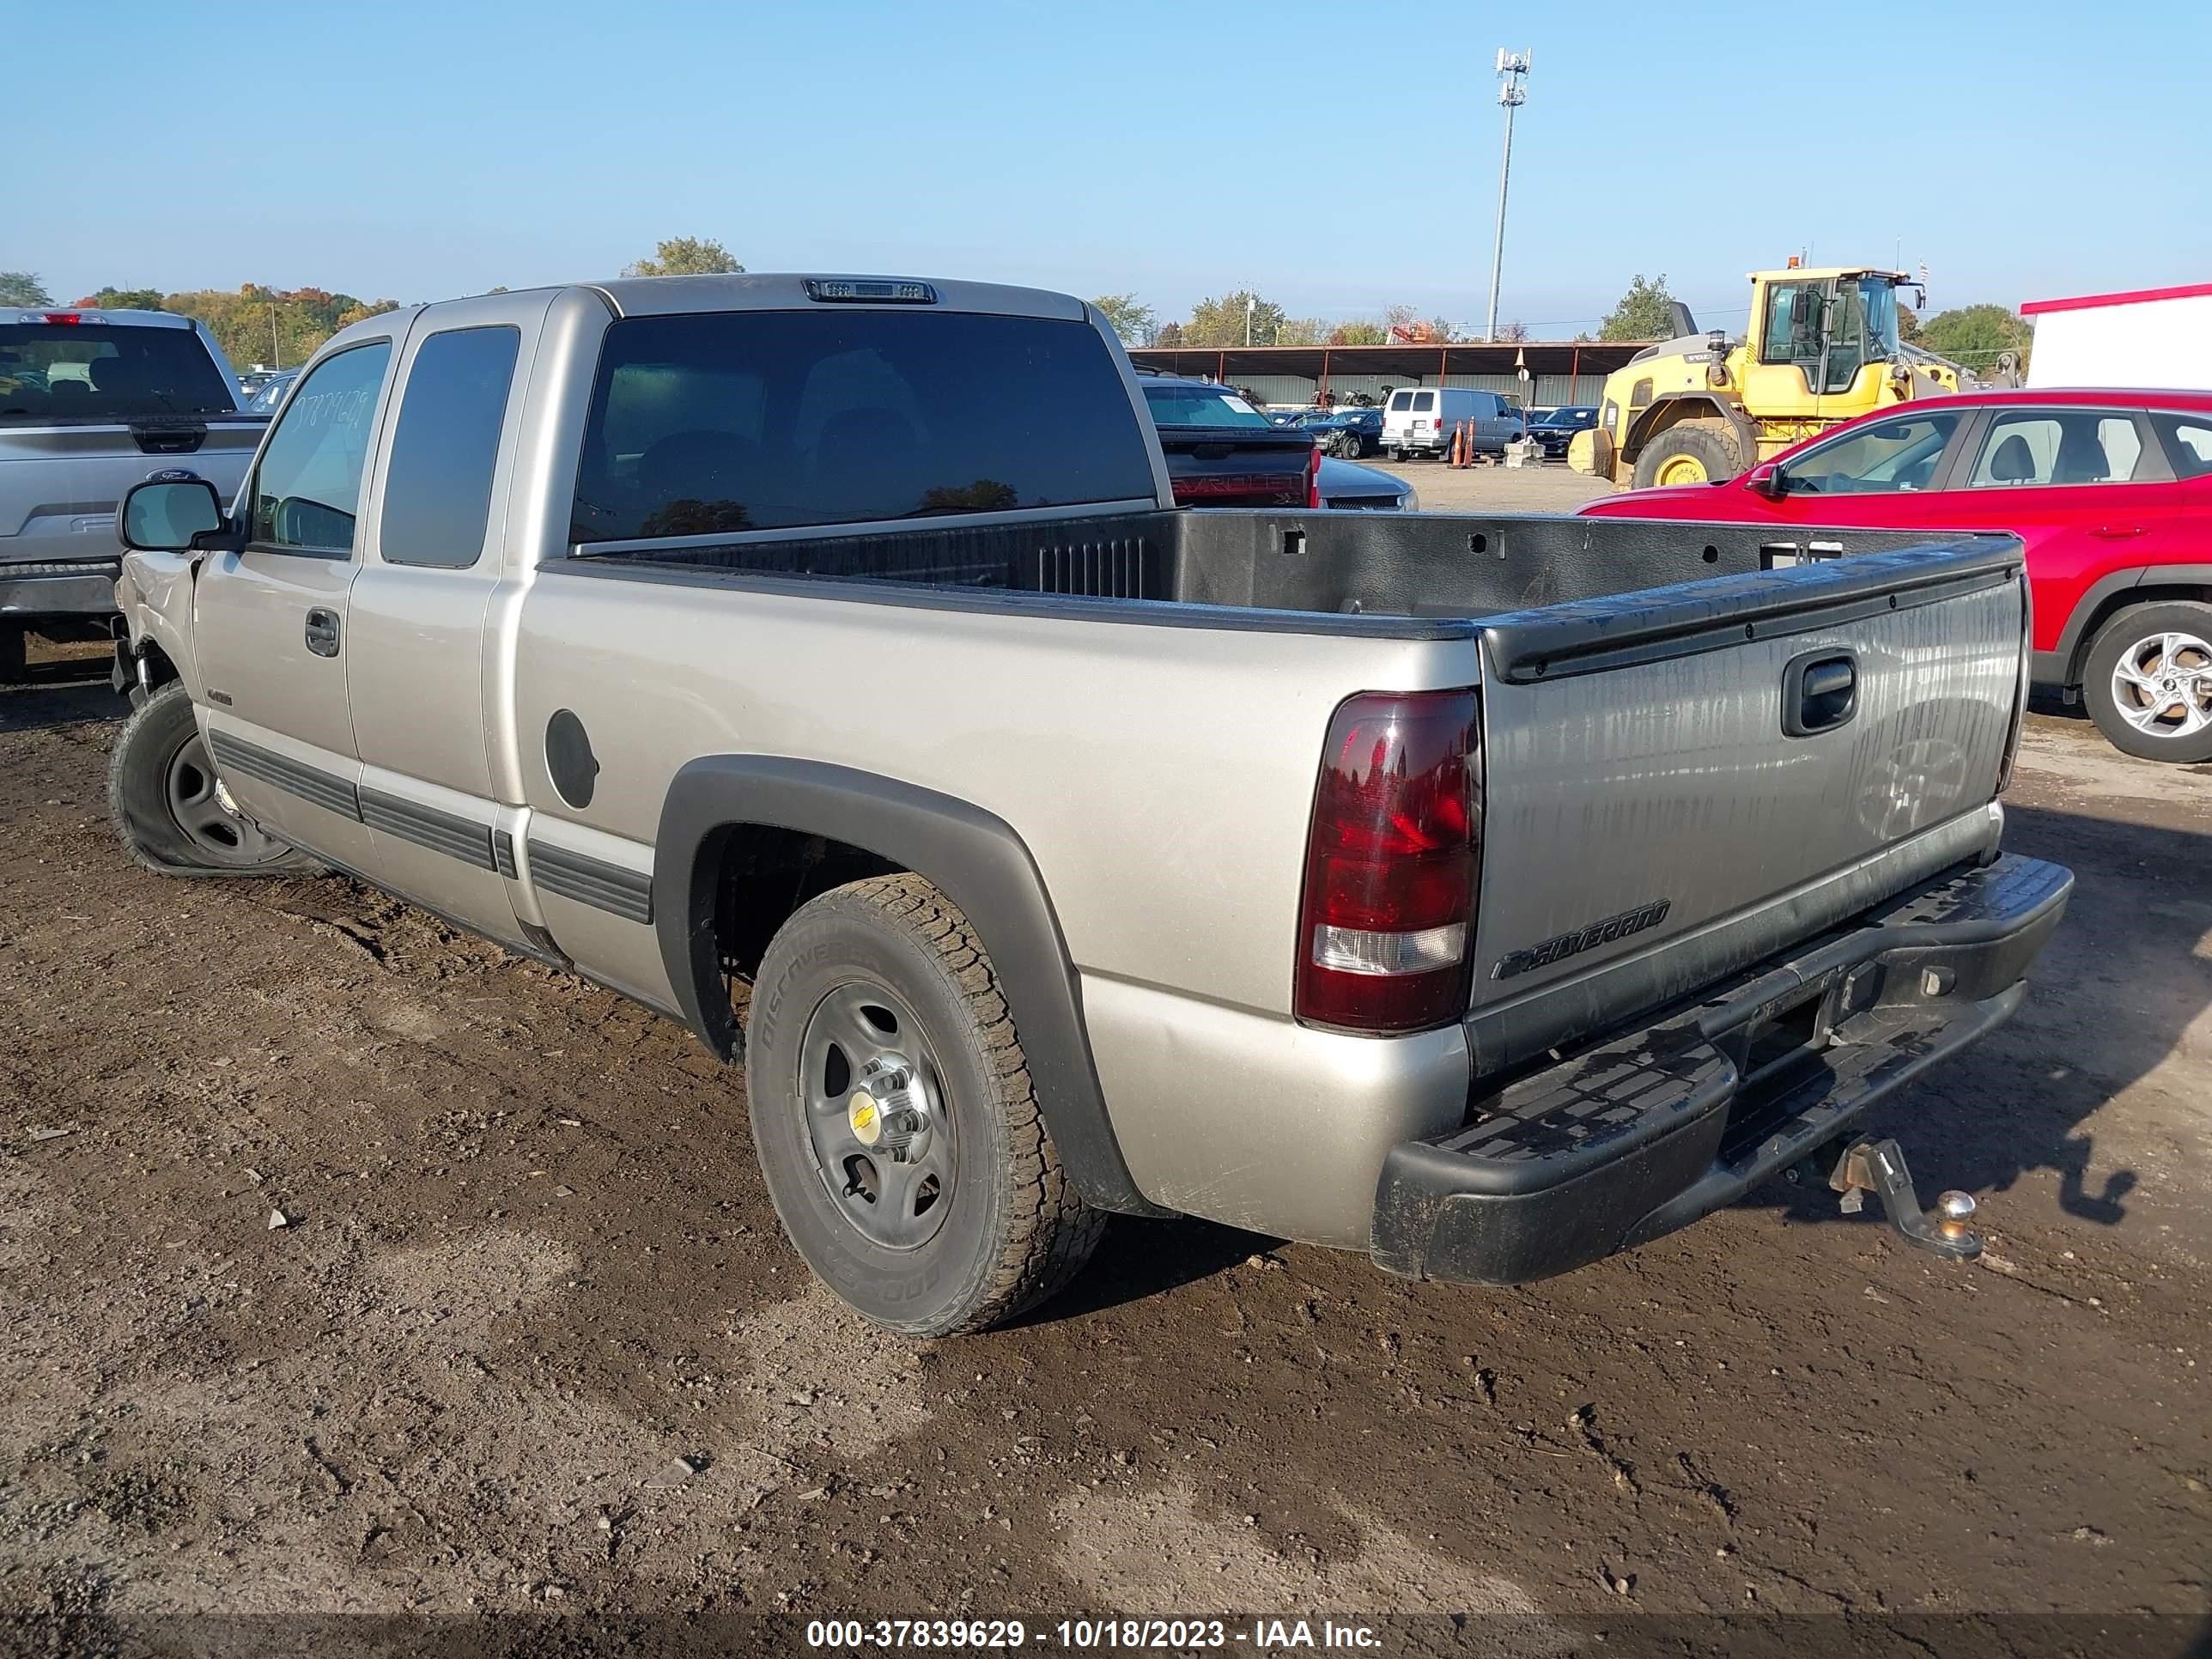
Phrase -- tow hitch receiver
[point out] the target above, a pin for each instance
(1878, 1167)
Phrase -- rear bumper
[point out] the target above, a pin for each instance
(1646, 1133)
(28, 592)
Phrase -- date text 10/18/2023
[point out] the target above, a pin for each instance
(1172, 1635)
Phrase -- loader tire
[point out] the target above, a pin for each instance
(1692, 452)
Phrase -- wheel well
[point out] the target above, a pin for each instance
(1667, 413)
(763, 874)
(2128, 599)
(160, 671)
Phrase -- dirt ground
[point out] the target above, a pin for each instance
(529, 1347)
(1545, 487)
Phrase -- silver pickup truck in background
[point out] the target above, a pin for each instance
(822, 662)
(92, 402)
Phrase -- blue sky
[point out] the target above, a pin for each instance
(1336, 157)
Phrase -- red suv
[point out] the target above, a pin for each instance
(2111, 492)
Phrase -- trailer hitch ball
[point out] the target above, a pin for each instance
(1878, 1167)
(1953, 1210)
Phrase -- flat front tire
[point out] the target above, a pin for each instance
(2148, 681)
(895, 1121)
(167, 812)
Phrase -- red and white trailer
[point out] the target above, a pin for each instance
(2152, 337)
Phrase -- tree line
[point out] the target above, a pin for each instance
(285, 327)
(258, 323)
(1973, 334)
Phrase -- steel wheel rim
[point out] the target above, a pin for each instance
(188, 787)
(2162, 686)
(1682, 470)
(859, 1034)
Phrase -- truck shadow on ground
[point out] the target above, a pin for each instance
(2109, 1000)
(61, 694)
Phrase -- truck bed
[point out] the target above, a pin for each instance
(1325, 567)
(1631, 674)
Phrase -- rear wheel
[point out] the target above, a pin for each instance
(1694, 451)
(2148, 681)
(168, 811)
(895, 1119)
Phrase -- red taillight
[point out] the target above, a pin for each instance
(1313, 477)
(63, 317)
(1386, 925)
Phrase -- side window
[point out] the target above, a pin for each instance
(1792, 333)
(2188, 443)
(437, 489)
(306, 492)
(1886, 458)
(2028, 448)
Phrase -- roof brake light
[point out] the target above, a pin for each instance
(59, 316)
(870, 290)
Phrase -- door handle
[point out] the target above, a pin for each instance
(1819, 692)
(323, 632)
(2118, 532)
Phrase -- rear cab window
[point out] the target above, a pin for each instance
(726, 422)
(106, 372)
(1187, 403)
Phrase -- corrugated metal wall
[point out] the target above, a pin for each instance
(1547, 390)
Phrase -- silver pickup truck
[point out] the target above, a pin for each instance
(821, 662)
(92, 402)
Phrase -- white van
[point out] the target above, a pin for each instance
(1420, 420)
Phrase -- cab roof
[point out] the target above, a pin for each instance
(1824, 272)
(661, 296)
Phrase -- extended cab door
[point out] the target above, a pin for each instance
(424, 612)
(270, 621)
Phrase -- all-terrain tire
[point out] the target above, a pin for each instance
(13, 670)
(2140, 634)
(1015, 1231)
(159, 758)
(1709, 446)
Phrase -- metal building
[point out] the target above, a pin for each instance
(1560, 372)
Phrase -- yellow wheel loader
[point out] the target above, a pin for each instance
(1821, 347)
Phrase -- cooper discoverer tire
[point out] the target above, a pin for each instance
(2148, 680)
(162, 800)
(895, 1121)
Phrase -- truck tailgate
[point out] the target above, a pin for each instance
(60, 483)
(1238, 466)
(1681, 780)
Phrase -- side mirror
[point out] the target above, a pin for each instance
(166, 513)
(1767, 479)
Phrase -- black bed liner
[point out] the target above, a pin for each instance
(1550, 592)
